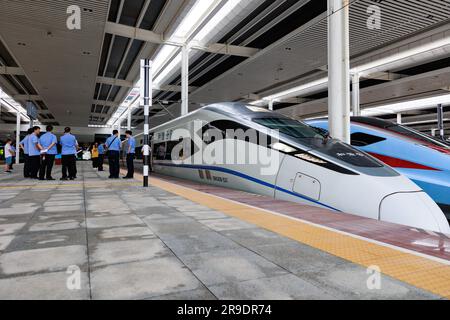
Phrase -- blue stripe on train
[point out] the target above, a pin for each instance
(247, 177)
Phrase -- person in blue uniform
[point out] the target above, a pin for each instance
(69, 147)
(24, 146)
(113, 145)
(101, 156)
(131, 146)
(48, 141)
(34, 152)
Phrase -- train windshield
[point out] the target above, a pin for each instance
(290, 127)
(317, 140)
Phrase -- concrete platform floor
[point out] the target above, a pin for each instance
(96, 238)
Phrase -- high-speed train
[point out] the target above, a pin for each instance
(422, 158)
(255, 150)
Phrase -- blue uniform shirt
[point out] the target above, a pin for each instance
(101, 149)
(24, 142)
(113, 145)
(32, 148)
(131, 145)
(68, 144)
(46, 140)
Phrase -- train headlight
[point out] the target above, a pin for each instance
(282, 147)
(310, 158)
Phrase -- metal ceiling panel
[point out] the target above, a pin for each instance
(61, 64)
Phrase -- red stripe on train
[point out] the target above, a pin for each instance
(399, 163)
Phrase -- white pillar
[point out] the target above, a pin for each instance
(129, 119)
(271, 105)
(399, 118)
(356, 108)
(339, 70)
(440, 116)
(184, 80)
(17, 137)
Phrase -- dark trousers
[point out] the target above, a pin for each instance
(26, 166)
(95, 162)
(130, 165)
(34, 163)
(69, 166)
(100, 162)
(46, 166)
(114, 163)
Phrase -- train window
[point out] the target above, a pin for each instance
(170, 146)
(159, 151)
(360, 139)
(290, 127)
(238, 129)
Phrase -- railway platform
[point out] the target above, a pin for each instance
(96, 238)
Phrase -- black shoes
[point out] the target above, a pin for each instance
(51, 179)
(64, 179)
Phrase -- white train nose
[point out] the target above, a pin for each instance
(415, 209)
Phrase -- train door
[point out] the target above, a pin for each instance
(297, 183)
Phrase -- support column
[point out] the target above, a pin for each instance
(339, 70)
(356, 108)
(440, 115)
(17, 137)
(129, 119)
(271, 105)
(184, 80)
(146, 102)
(399, 118)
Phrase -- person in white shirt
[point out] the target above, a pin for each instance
(9, 153)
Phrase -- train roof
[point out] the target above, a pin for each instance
(238, 108)
(376, 122)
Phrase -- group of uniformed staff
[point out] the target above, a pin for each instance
(40, 151)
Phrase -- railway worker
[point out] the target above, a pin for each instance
(131, 146)
(34, 152)
(48, 141)
(24, 146)
(113, 146)
(8, 155)
(69, 148)
(101, 156)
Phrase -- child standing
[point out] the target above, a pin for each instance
(9, 153)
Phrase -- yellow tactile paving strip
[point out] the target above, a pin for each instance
(427, 274)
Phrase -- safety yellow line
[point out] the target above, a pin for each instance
(430, 274)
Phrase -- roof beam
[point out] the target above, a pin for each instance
(106, 103)
(172, 88)
(115, 82)
(129, 84)
(386, 76)
(13, 71)
(153, 37)
(23, 97)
